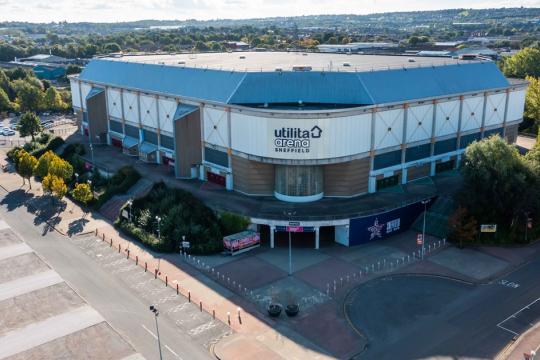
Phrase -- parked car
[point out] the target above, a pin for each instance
(8, 132)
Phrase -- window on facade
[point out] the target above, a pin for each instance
(115, 126)
(388, 159)
(444, 166)
(166, 141)
(150, 137)
(216, 157)
(417, 152)
(132, 131)
(466, 140)
(299, 180)
(445, 146)
(387, 182)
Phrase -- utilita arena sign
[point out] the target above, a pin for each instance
(296, 140)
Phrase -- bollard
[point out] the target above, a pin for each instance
(127, 257)
(103, 237)
(145, 266)
(239, 317)
(177, 289)
(111, 242)
(136, 259)
(379, 265)
(166, 280)
(155, 274)
(189, 295)
(214, 314)
(341, 282)
(229, 317)
(200, 305)
(118, 248)
(96, 232)
(347, 278)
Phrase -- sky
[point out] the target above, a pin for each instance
(129, 10)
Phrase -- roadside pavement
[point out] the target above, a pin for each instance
(253, 336)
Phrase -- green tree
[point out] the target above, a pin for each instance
(112, 48)
(53, 100)
(532, 100)
(60, 168)
(29, 124)
(26, 165)
(54, 185)
(82, 193)
(462, 227)
(5, 104)
(42, 167)
(498, 183)
(525, 63)
(30, 98)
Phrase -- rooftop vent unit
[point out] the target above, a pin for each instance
(301, 68)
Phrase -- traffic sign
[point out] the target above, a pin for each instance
(294, 223)
(419, 239)
(185, 244)
(488, 228)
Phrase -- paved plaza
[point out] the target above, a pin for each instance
(41, 317)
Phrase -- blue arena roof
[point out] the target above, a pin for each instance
(346, 87)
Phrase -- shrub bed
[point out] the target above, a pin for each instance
(119, 183)
(182, 214)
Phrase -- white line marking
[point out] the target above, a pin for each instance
(28, 284)
(175, 354)
(513, 316)
(10, 251)
(150, 332)
(42, 332)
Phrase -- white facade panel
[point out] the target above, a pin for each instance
(388, 128)
(131, 107)
(447, 118)
(75, 93)
(85, 89)
(303, 139)
(216, 129)
(472, 113)
(167, 108)
(148, 111)
(114, 103)
(419, 123)
(495, 109)
(516, 105)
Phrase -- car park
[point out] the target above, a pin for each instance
(7, 132)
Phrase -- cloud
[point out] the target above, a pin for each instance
(129, 10)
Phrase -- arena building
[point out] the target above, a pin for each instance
(298, 127)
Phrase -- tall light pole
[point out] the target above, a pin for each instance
(289, 215)
(526, 224)
(158, 232)
(156, 313)
(130, 203)
(92, 154)
(425, 202)
(76, 178)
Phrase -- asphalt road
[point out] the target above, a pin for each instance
(412, 317)
(112, 298)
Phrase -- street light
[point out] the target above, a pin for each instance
(156, 313)
(424, 202)
(130, 203)
(158, 219)
(76, 178)
(92, 153)
(290, 214)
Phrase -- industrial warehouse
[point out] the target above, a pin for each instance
(299, 127)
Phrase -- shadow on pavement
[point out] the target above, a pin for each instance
(76, 226)
(16, 199)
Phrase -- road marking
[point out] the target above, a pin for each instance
(28, 284)
(513, 316)
(166, 346)
(509, 284)
(50, 329)
(175, 354)
(7, 252)
(150, 332)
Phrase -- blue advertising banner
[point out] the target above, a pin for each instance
(374, 227)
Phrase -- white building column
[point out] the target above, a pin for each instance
(317, 239)
(433, 168)
(272, 234)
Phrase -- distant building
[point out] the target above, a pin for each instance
(355, 47)
(47, 59)
(237, 45)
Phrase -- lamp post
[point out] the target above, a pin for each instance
(527, 220)
(158, 232)
(130, 203)
(156, 313)
(76, 178)
(92, 153)
(424, 202)
(290, 214)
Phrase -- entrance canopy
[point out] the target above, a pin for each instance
(147, 148)
(129, 142)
